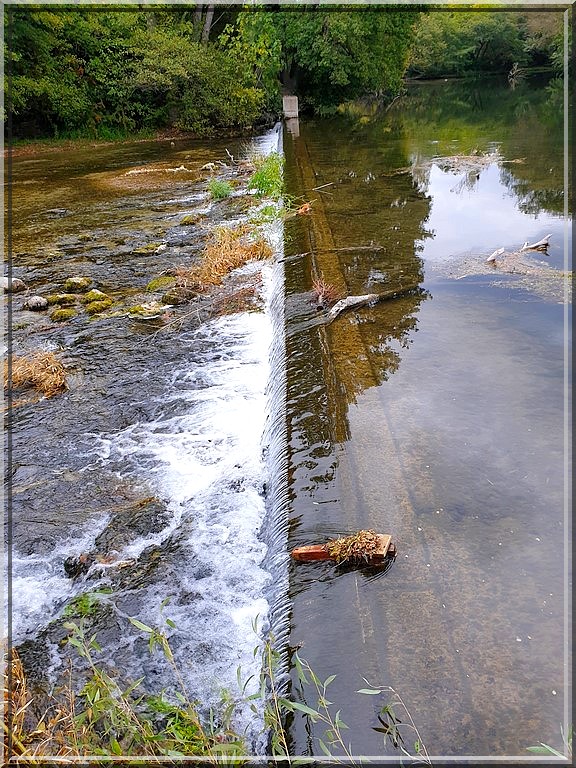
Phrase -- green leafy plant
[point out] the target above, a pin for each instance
(219, 189)
(266, 214)
(391, 727)
(334, 724)
(85, 604)
(267, 179)
(110, 717)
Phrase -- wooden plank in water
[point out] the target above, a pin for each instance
(313, 552)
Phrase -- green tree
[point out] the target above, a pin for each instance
(458, 42)
(191, 85)
(69, 69)
(330, 56)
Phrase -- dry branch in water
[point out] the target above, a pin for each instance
(40, 370)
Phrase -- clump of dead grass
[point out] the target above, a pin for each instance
(325, 293)
(40, 370)
(229, 249)
(358, 546)
(56, 733)
(16, 701)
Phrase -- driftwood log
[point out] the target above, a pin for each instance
(368, 299)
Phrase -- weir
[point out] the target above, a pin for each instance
(365, 501)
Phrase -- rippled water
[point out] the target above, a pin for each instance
(151, 464)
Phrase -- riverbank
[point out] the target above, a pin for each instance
(30, 147)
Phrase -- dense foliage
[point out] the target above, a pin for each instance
(103, 73)
(206, 68)
(332, 56)
(463, 42)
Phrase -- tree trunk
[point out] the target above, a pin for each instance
(197, 21)
(207, 24)
(351, 302)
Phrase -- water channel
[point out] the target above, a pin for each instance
(437, 417)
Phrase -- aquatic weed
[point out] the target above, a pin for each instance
(219, 189)
(267, 178)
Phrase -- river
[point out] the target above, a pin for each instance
(437, 418)
(201, 453)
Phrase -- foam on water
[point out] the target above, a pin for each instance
(206, 462)
(39, 584)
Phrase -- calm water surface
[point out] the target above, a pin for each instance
(438, 418)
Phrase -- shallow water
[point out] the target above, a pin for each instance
(151, 463)
(437, 418)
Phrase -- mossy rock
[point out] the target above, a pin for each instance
(147, 311)
(64, 299)
(95, 295)
(159, 283)
(61, 315)
(77, 284)
(178, 295)
(191, 218)
(149, 248)
(96, 307)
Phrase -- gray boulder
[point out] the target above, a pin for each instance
(13, 285)
(36, 303)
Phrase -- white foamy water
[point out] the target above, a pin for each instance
(40, 586)
(206, 463)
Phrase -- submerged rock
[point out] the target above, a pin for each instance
(132, 522)
(13, 285)
(36, 303)
(94, 307)
(148, 248)
(95, 295)
(191, 218)
(57, 213)
(178, 295)
(78, 566)
(160, 282)
(77, 284)
(148, 311)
